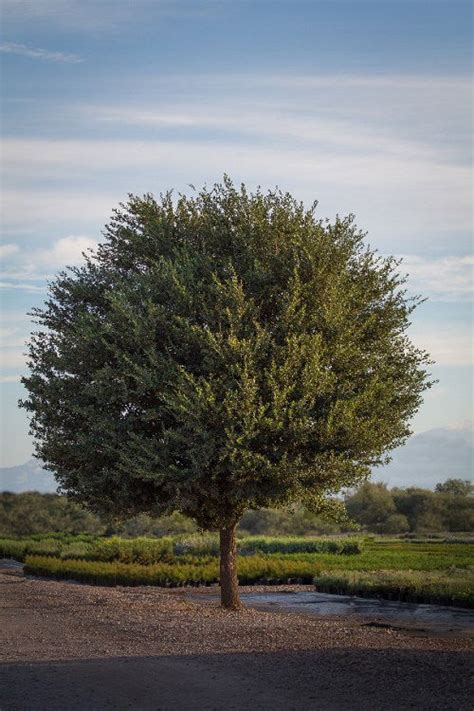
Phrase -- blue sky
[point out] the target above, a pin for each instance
(364, 106)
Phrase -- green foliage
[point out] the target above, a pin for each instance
(395, 523)
(455, 511)
(255, 569)
(455, 487)
(31, 512)
(143, 525)
(420, 572)
(143, 551)
(265, 544)
(78, 550)
(13, 549)
(139, 550)
(381, 510)
(146, 551)
(298, 521)
(450, 587)
(197, 545)
(371, 505)
(221, 353)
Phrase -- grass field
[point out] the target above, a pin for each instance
(417, 570)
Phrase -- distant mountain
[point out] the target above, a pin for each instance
(431, 457)
(27, 477)
(427, 458)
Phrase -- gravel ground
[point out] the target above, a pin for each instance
(71, 646)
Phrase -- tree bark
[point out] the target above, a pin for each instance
(230, 599)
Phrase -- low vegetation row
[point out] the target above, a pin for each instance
(430, 570)
(450, 587)
(453, 586)
(252, 570)
(146, 551)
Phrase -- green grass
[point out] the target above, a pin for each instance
(450, 587)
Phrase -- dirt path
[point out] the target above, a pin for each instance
(69, 647)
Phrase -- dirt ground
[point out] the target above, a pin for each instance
(71, 647)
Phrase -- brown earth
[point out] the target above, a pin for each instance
(65, 646)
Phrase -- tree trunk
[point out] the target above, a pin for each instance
(228, 569)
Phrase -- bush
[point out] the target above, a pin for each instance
(77, 550)
(396, 523)
(263, 544)
(143, 551)
(12, 549)
(17, 549)
(450, 587)
(199, 544)
(254, 569)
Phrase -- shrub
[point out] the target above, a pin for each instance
(12, 549)
(144, 551)
(264, 544)
(253, 569)
(199, 544)
(396, 523)
(450, 587)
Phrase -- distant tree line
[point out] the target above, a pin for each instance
(371, 507)
(450, 507)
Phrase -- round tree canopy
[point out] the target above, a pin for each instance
(222, 352)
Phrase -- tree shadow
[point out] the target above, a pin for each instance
(328, 680)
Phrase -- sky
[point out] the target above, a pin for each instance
(362, 105)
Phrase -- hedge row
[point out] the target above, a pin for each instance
(138, 550)
(251, 570)
(266, 544)
(147, 551)
(451, 587)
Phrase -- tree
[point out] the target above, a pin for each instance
(423, 508)
(395, 523)
(371, 505)
(222, 352)
(455, 487)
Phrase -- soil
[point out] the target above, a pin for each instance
(67, 646)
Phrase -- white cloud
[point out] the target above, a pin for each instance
(14, 334)
(6, 250)
(25, 208)
(37, 53)
(12, 358)
(433, 110)
(12, 337)
(390, 148)
(21, 286)
(450, 345)
(397, 194)
(66, 251)
(92, 16)
(447, 278)
(265, 121)
(29, 270)
(10, 378)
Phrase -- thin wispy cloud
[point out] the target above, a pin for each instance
(6, 250)
(449, 278)
(104, 17)
(448, 346)
(37, 53)
(380, 186)
(9, 378)
(29, 270)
